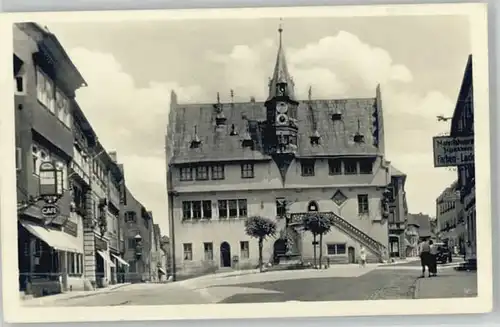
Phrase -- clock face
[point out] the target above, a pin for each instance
(282, 107)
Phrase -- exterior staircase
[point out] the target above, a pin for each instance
(344, 226)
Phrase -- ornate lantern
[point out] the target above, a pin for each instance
(138, 245)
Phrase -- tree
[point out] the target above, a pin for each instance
(260, 228)
(317, 224)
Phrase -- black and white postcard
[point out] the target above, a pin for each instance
(239, 163)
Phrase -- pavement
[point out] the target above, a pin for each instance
(399, 280)
(447, 284)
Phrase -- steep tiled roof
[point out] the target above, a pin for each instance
(217, 144)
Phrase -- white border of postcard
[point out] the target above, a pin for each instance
(15, 313)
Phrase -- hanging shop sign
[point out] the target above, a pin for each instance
(452, 151)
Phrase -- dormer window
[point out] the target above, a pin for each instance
(195, 142)
(315, 138)
(359, 138)
(337, 116)
(233, 130)
(220, 119)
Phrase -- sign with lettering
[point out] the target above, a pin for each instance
(453, 151)
(50, 211)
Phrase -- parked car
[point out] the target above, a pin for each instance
(444, 253)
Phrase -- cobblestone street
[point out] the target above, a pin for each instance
(340, 283)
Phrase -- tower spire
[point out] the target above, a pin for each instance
(281, 83)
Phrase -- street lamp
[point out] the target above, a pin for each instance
(51, 182)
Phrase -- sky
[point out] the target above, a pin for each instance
(131, 68)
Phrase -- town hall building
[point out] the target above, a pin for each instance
(280, 158)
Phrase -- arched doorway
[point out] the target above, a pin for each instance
(279, 249)
(225, 254)
(351, 254)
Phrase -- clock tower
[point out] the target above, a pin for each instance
(281, 107)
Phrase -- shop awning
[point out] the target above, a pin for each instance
(120, 260)
(54, 238)
(106, 258)
(162, 271)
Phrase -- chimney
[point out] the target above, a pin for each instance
(113, 156)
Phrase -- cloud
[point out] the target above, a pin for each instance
(130, 119)
(344, 66)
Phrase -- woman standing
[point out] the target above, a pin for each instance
(362, 256)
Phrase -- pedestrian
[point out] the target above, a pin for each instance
(362, 256)
(433, 249)
(424, 251)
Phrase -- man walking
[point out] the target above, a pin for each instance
(425, 252)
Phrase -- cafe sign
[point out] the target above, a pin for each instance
(452, 151)
(50, 211)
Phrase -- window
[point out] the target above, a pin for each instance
(45, 91)
(62, 106)
(335, 166)
(280, 207)
(222, 204)
(186, 174)
(363, 206)
(202, 173)
(366, 166)
(196, 207)
(242, 208)
(244, 250)
(218, 172)
(130, 217)
(335, 249)
(350, 167)
(208, 249)
(247, 170)
(233, 208)
(207, 209)
(20, 83)
(188, 251)
(186, 210)
(131, 243)
(307, 168)
(35, 154)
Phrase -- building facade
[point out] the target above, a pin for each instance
(450, 218)
(81, 247)
(462, 124)
(137, 234)
(45, 81)
(276, 158)
(398, 215)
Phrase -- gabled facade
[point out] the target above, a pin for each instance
(280, 157)
(138, 237)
